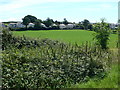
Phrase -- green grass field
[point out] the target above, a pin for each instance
(69, 36)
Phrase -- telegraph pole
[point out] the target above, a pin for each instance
(0, 57)
(118, 44)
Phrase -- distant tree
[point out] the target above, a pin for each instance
(48, 22)
(71, 23)
(26, 21)
(40, 20)
(65, 21)
(85, 24)
(79, 23)
(57, 22)
(90, 26)
(81, 26)
(31, 18)
(37, 24)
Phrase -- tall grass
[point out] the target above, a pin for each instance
(110, 81)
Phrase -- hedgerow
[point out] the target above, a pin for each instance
(30, 64)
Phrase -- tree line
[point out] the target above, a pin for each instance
(85, 24)
(102, 30)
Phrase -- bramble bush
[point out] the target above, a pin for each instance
(34, 64)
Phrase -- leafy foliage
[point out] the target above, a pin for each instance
(85, 24)
(38, 24)
(48, 22)
(31, 18)
(102, 34)
(46, 63)
(65, 21)
(26, 21)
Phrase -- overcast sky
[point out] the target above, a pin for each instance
(72, 10)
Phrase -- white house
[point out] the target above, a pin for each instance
(20, 25)
(54, 25)
(62, 26)
(70, 26)
(2, 24)
(16, 25)
(12, 25)
(31, 25)
(113, 26)
(43, 25)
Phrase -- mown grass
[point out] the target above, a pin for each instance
(69, 36)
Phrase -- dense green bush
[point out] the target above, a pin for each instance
(102, 34)
(46, 63)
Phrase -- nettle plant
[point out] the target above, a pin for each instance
(45, 63)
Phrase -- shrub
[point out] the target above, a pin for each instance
(45, 63)
(102, 34)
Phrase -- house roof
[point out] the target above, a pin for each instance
(62, 25)
(12, 23)
(31, 24)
